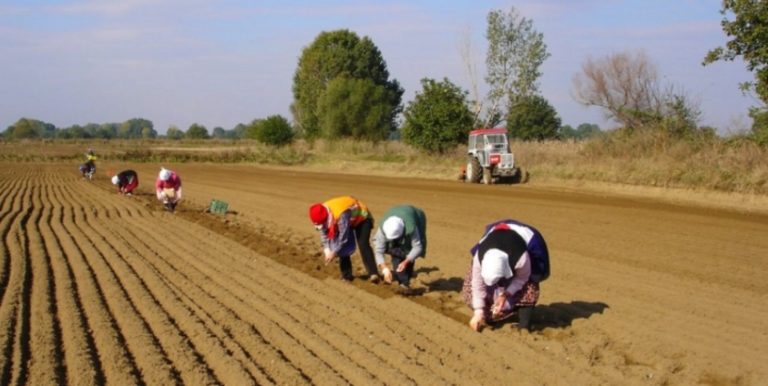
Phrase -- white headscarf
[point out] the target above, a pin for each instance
(495, 266)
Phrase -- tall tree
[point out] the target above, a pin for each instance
(516, 51)
(627, 87)
(748, 32)
(334, 54)
(356, 108)
(438, 118)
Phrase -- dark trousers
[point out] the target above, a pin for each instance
(404, 277)
(363, 237)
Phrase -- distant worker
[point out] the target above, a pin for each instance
(126, 181)
(402, 235)
(341, 221)
(508, 264)
(168, 188)
(88, 169)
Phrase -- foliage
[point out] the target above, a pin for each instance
(274, 130)
(583, 131)
(26, 128)
(759, 126)
(627, 87)
(516, 51)
(174, 133)
(197, 131)
(218, 133)
(135, 128)
(749, 37)
(331, 55)
(356, 108)
(533, 118)
(438, 118)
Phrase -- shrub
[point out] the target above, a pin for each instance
(274, 130)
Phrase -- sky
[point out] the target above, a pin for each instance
(224, 62)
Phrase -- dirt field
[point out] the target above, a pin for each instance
(97, 288)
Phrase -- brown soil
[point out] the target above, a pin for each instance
(97, 288)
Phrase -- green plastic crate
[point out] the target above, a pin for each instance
(218, 207)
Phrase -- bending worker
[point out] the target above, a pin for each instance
(168, 188)
(508, 264)
(341, 221)
(126, 181)
(403, 235)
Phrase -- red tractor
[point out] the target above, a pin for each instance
(489, 159)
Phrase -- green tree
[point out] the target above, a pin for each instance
(334, 54)
(26, 128)
(516, 51)
(133, 128)
(197, 131)
(438, 118)
(583, 131)
(356, 108)
(219, 133)
(148, 133)
(174, 133)
(274, 130)
(238, 131)
(748, 32)
(533, 118)
(759, 125)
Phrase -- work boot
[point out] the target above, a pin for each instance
(404, 290)
(374, 279)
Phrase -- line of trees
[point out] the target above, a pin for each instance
(342, 89)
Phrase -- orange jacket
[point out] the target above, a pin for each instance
(337, 206)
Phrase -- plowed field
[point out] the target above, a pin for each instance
(96, 288)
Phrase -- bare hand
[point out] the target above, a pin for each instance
(477, 322)
(329, 255)
(387, 275)
(403, 265)
(498, 305)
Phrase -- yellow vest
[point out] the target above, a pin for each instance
(338, 205)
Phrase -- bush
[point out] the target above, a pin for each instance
(275, 130)
(438, 118)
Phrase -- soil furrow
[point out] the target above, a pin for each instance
(82, 361)
(117, 362)
(11, 307)
(46, 364)
(329, 342)
(162, 314)
(181, 306)
(302, 304)
(286, 338)
(143, 345)
(271, 358)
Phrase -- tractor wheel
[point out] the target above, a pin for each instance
(474, 171)
(520, 176)
(487, 177)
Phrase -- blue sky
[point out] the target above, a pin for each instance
(219, 63)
